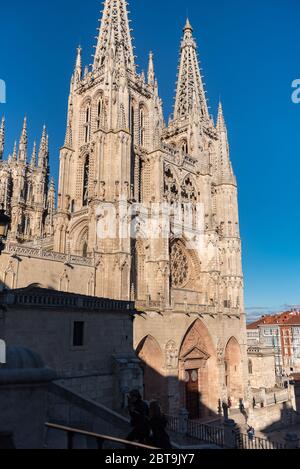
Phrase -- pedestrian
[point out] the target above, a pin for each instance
(242, 407)
(159, 437)
(251, 433)
(139, 418)
(229, 403)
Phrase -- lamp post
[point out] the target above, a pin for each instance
(4, 226)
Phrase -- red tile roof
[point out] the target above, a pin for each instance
(291, 318)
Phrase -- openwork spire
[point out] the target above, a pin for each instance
(115, 34)
(2, 137)
(190, 91)
(33, 156)
(43, 151)
(78, 65)
(151, 74)
(23, 142)
(221, 126)
(225, 166)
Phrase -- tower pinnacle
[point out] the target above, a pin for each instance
(188, 26)
(114, 35)
(151, 74)
(43, 151)
(221, 125)
(23, 142)
(78, 66)
(2, 137)
(33, 156)
(190, 90)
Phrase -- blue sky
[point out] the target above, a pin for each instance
(249, 52)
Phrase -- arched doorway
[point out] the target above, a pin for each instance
(234, 372)
(198, 373)
(151, 356)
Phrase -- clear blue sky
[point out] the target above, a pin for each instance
(249, 51)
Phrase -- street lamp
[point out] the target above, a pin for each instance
(4, 226)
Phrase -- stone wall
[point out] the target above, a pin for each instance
(274, 417)
(48, 331)
(72, 409)
(104, 368)
(24, 266)
(263, 371)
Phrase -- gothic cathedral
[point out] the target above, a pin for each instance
(190, 332)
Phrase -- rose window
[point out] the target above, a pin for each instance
(179, 266)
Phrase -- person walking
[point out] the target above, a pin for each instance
(139, 415)
(251, 433)
(158, 423)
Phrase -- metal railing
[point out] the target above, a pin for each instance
(205, 433)
(100, 439)
(173, 424)
(244, 442)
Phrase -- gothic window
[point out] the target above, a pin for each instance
(27, 226)
(85, 249)
(188, 191)
(29, 193)
(184, 147)
(86, 175)
(100, 111)
(87, 124)
(179, 266)
(142, 126)
(250, 367)
(171, 187)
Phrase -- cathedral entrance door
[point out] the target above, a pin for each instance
(192, 393)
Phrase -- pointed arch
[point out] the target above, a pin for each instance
(151, 356)
(143, 125)
(198, 372)
(171, 185)
(234, 371)
(85, 120)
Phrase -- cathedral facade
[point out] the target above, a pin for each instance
(120, 157)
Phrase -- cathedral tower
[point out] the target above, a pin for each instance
(186, 280)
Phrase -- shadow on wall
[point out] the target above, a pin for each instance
(190, 378)
(284, 419)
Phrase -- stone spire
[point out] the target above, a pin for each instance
(14, 155)
(221, 125)
(51, 195)
(190, 90)
(43, 151)
(33, 156)
(2, 137)
(225, 166)
(151, 74)
(23, 143)
(78, 66)
(114, 35)
(68, 137)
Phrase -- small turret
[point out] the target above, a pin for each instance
(23, 143)
(151, 74)
(33, 156)
(2, 137)
(43, 151)
(225, 166)
(14, 155)
(78, 66)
